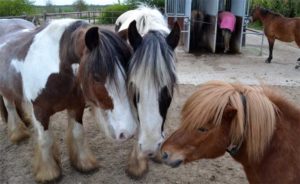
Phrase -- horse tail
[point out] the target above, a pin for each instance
(3, 110)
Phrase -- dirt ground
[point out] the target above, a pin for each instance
(248, 67)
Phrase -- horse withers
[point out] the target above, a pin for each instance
(276, 26)
(256, 125)
(66, 64)
(151, 81)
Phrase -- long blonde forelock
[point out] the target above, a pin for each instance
(253, 124)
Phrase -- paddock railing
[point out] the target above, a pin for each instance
(94, 17)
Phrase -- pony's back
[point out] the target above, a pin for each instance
(8, 26)
(147, 19)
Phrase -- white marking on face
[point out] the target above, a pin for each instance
(150, 120)
(75, 68)
(42, 58)
(120, 119)
(150, 134)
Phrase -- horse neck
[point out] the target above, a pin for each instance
(266, 18)
(72, 50)
(282, 152)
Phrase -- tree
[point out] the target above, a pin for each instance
(289, 8)
(157, 3)
(80, 5)
(15, 7)
(49, 7)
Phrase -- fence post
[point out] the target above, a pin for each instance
(89, 15)
(94, 17)
(45, 17)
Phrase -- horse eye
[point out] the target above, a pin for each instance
(201, 129)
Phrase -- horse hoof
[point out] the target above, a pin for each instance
(297, 66)
(46, 163)
(47, 172)
(137, 170)
(87, 164)
(298, 59)
(48, 175)
(137, 165)
(18, 134)
(268, 61)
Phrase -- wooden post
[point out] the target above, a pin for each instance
(45, 17)
(94, 17)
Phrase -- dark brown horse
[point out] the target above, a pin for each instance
(258, 126)
(276, 26)
(64, 65)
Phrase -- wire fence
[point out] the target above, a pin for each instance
(94, 17)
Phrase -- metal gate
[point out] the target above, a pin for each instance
(180, 10)
(206, 36)
(211, 8)
(238, 8)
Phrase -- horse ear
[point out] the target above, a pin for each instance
(92, 38)
(174, 36)
(229, 112)
(135, 39)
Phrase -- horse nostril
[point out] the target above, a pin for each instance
(165, 156)
(159, 144)
(176, 163)
(150, 155)
(122, 136)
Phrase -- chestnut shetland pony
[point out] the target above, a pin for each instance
(276, 26)
(65, 64)
(256, 125)
(151, 81)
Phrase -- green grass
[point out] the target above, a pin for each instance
(255, 25)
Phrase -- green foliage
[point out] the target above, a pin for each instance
(80, 5)
(157, 3)
(288, 8)
(15, 7)
(256, 25)
(49, 7)
(112, 12)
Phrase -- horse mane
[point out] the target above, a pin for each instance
(146, 18)
(111, 53)
(253, 125)
(153, 64)
(266, 12)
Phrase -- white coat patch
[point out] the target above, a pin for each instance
(42, 58)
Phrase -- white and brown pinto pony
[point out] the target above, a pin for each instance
(151, 81)
(257, 125)
(65, 64)
(9, 29)
(146, 19)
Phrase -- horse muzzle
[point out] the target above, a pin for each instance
(172, 162)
